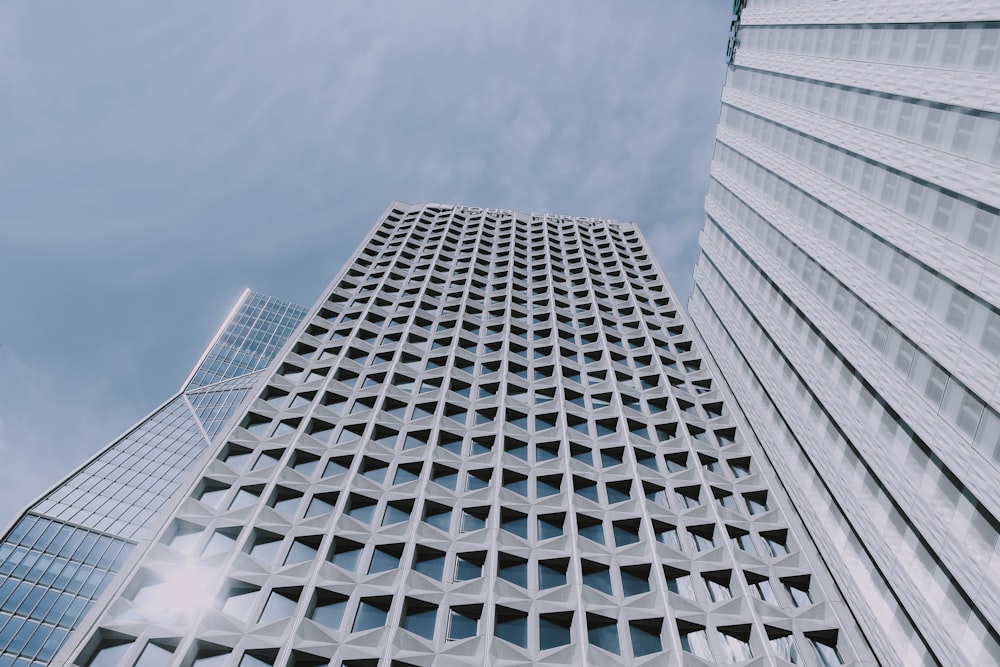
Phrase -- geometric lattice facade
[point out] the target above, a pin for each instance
(848, 288)
(492, 441)
(65, 550)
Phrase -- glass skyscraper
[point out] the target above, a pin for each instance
(64, 551)
(493, 440)
(848, 288)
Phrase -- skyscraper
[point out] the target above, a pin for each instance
(493, 440)
(66, 548)
(848, 288)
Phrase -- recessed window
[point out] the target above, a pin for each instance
(240, 600)
(552, 573)
(645, 636)
(155, 655)
(303, 549)
(419, 617)
(736, 643)
(265, 546)
(463, 622)
(513, 569)
(694, 640)
(798, 590)
(603, 633)
(717, 584)
(554, 629)
(824, 646)
(512, 626)
(679, 582)
(329, 609)
(783, 644)
(597, 576)
(550, 525)
(469, 566)
(385, 558)
(635, 579)
(372, 613)
(279, 605)
(429, 562)
(591, 528)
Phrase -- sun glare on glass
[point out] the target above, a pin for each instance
(179, 594)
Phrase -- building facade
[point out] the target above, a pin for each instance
(848, 288)
(65, 549)
(493, 440)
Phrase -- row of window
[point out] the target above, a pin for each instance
(965, 132)
(965, 313)
(950, 46)
(121, 490)
(50, 573)
(970, 224)
(847, 501)
(804, 463)
(862, 491)
(259, 328)
(368, 511)
(727, 644)
(974, 421)
(538, 486)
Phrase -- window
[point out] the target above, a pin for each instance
(550, 525)
(512, 626)
(603, 633)
(280, 604)
(463, 622)
(372, 613)
(265, 546)
(798, 590)
(783, 644)
(645, 635)
(761, 587)
(552, 573)
(596, 575)
(329, 609)
(679, 582)
(554, 629)
(429, 562)
(825, 648)
(469, 566)
(155, 655)
(240, 600)
(736, 643)
(718, 585)
(385, 558)
(776, 542)
(345, 553)
(419, 617)
(635, 579)
(694, 640)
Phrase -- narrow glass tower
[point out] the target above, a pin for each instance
(848, 288)
(65, 548)
(493, 440)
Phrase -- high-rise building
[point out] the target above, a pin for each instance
(62, 553)
(848, 288)
(493, 440)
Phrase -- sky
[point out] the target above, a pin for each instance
(157, 158)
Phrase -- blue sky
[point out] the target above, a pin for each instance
(157, 158)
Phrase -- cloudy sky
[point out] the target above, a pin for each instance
(157, 158)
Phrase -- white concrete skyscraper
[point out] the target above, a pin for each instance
(849, 287)
(493, 440)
